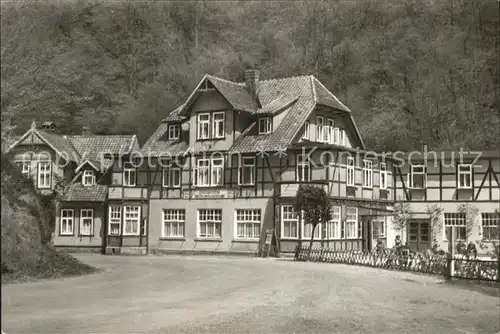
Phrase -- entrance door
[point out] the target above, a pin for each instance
(366, 233)
(419, 235)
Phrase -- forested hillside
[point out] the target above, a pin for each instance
(413, 72)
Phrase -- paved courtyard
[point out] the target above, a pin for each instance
(203, 294)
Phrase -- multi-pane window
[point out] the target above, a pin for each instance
(289, 222)
(67, 222)
(333, 226)
(129, 175)
(367, 173)
(490, 223)
(455, 222)
(351, 223)
(342, 137)
(203, 126)
(217, 171)
(247, 171)
(115, 220)
(173, 223)
(350, 171)
(383, 175)
(202, 174)
(248, 223)
(307, 229)
(174, 131)
(307, 130)
(209, 172)
(88, 177)
(378, 228)
(303, 172)
(44, 174)
(336, 136)
(172, 177)
(218, 124)
(25, 168)
(210, 223)
(320, 122)
(86, 221)
(464, 176)
(417, 177)
(132, 218)
(265, 125)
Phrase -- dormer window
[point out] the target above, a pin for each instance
(88, 178)
(173, 131)
(265, 125)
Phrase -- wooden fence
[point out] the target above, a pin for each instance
(419, 262)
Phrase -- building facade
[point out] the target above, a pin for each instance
(224, 168)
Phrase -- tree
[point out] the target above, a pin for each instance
(435, 215)
(402, 215)
(314, 205)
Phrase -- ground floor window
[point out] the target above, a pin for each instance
(248, 223)
(289, 222)
(67, 222)
(173, 223)
(209, 223)
(490, 222)
(455, 222)
(378, 228)
(307, 229)
(351, 230)
(86, 221)
(115, 220)
(333, 226)
(132, 220)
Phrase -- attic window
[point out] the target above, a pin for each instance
(88, 178)
(265, 125)
(173, 131)
(206, 86)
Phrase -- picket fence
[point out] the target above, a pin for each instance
(416, 262)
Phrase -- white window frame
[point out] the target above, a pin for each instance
(455, 220)
(88, 177)
(328, 136)
(69, 220)
(265, 125)
(320, 123)
(131, 211)
(490, 220)
(174, 131)
(210, 217)
(129, 176)
(383, 176)
(381, 227)
(307, 130)
(216, 172)
(115, 218)
(351, 223)
(333, 226)
(342, 137)
(466, 174)
(201, 124)
(350, 172)
(303, 174)
(367, 173)
(249, 219)
(307, 235)
(25, 167)
(174, 218)
(202, 167)
(169, 179)
(218, 124)
(45, 170)
(246, 163)
(411, 176)
(87, 214)
(335, 136)
(289, 220)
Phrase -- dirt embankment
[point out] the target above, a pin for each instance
(27, 223)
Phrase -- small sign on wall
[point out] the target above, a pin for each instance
(209, 193)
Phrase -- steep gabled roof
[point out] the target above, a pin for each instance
(325, 97)
(156, 145)
(93, 146)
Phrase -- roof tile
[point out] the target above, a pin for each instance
(77, 192)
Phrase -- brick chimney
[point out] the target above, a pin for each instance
(86, 131)
(49, 126)
(252, 81)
